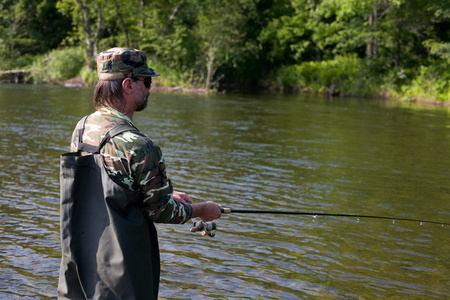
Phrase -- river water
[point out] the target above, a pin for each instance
(271, 152)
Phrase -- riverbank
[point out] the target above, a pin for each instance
(77, 82)
(343, 76)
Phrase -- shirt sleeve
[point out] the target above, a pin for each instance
(145, 162)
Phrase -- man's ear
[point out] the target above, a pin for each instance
(127, 85)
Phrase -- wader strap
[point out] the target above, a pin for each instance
(83, 146)
(109, 135)
(113, 132)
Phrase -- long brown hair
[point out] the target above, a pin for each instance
(108, 92)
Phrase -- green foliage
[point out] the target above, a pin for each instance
(30, 27)
(340, 74)
(21, 62)
(359, 47)
(89, 76)
(170, 76)
(432, 82)
(58, 65)
(441, 50)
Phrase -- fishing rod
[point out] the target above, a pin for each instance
(247, 211)
(209, 228)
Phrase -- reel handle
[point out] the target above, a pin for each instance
(225, 210)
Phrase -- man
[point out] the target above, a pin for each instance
(113, 188)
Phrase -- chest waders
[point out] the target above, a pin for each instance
(109, 248)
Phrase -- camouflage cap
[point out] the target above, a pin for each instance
(118, 63)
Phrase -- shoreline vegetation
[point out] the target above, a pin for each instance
(24, 76)
(390, 49)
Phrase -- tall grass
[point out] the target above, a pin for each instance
(431, 83)
(169, 76)
(349, 75)
(342, 75)
(58, 65)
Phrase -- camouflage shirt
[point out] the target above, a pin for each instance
(133, 161)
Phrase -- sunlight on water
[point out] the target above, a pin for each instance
(271, 152)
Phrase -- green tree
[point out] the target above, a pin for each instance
(253, 64)
(30, 27)
(99, 24)
(83, 13)
(220, 29)
(197, 37)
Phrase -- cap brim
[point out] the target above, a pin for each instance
(150, 72)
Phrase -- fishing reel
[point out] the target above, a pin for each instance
(206, 228)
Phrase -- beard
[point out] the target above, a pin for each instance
(144, 104)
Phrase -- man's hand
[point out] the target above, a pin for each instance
(181, 197)
(207, 211)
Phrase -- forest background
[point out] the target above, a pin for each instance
(382, 48)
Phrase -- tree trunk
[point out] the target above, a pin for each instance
(375, 30)
(88, 40)
(262, 62)
(316, 45)
(122, 22)
(397, 52)
(142, 21)
(372, 44)
(209, 67)
(171, 17)
(12, 28)
(98, 28)
(318, 52)
(369, 42)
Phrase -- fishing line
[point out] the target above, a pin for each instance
(247, 211)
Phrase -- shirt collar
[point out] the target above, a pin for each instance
(114, 112)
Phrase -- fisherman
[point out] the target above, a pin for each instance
(114, 187)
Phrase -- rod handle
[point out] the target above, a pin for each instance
(225, 210)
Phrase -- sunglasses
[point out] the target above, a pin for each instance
(147, 81)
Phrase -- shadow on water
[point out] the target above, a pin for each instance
(283, 152)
